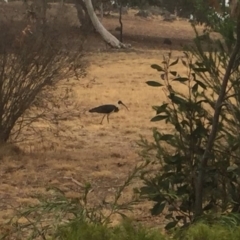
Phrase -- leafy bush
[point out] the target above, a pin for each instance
(201, 143)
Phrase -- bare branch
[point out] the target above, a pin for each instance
(32, 63)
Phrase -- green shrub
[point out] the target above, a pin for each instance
(195, 165)
(124, 231)
(203, 231)
(127, 230)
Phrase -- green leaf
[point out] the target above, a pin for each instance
(235, 147)
(174, 73)
(179, 217)
(184, 62)
(199, 132)
(201, 84)
(157, 67)
(201, 101)
(156, 135)
(171, 225)
(181, 79)
(185, 123)
(159, 118)
(177, 100)
(162, 76)
(154, 84)
(195, 88)
(174, 63)
(199, 64)
(156, 198)
(166, 174)
(158, 208)
(182, 190)
(160, 109)
(178, 127)
(165, 185)
(184, 207)
(166, 137)
(200, 69)
(186, 54)
(175, 159)
(146, 190)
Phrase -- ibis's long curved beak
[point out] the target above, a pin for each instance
(124, 105)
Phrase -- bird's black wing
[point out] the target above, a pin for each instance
(108, 108)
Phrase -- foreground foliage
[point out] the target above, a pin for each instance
(195, 165)
(128, 230)
(56, 213)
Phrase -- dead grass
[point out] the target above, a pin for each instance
(100, 154)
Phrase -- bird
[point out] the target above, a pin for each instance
(107, 109)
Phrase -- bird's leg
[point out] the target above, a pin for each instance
(108, 117)
(102, 119)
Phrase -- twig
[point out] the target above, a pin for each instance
(74, 181)
(80, 185)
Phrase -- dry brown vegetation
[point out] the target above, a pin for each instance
(90, 152)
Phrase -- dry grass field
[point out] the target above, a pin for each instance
(90, 152)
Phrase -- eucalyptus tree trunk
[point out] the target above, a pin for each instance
(106, 35)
